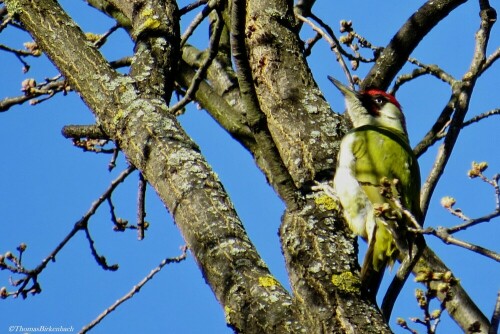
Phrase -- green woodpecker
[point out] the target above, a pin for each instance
(373, 155)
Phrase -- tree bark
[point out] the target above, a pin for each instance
(153, 141)
(273, 107)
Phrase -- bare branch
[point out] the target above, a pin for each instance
(422, 69)
(481, 117)
(219, 109)
(141, 206)
(445, 234)
(197, 21)
(461, 95)
(82, 224)
(491, 60)
(200, 74)
(19, 53)
(435, 71)
(334, 46)
(103, 38)
(83, 131)
(52, 86)
(48, 88)
(186, 9)
(310, 43)
(135, 289)
(395, 55)
(438, 130)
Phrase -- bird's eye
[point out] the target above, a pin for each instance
(378, 100)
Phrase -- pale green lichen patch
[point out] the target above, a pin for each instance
(13, 7)
(227, 311)
(151, 21)
(326, 202)
(268, 281)
(348, 282)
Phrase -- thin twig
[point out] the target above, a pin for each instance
(422, 69)
(112, 162)
(334, 46)
(491, 60)
(434, 70)
(443, 234)
(482, 116)
(475, 119)
(309, 44)
(102, 38)
(472, 222)
(134, 290)
(50, 87)
(20, 53)
(476, 172)
(141, 206)
(197, 21)
(362, 41)
(186, 9)
(100, 259)
(32, 275)
(200, 74)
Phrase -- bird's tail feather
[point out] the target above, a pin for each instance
(371, 277)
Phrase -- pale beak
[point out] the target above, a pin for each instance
(346, 91)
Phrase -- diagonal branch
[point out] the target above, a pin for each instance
(200, 74)
(134, 115)
(135, 289)
(81, 224)
(396, 54)
(461, 94)
(334, 45)
(278, 174)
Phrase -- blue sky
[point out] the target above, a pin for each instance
(47, 185)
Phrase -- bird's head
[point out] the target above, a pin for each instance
(372, 107)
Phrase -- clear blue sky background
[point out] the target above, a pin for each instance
(47, 185)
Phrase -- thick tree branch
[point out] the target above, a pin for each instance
(225, 114)
(136, 117)
(108, 8)
(460, 306)
(395, 55)
(299, 119)
(325, 276)
(221, 77)
(277, 173)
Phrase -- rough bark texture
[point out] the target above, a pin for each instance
(300, 120)
(153, 141)
(324, 273)
(273, 107)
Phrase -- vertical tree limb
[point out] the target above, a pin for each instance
(154, 142)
